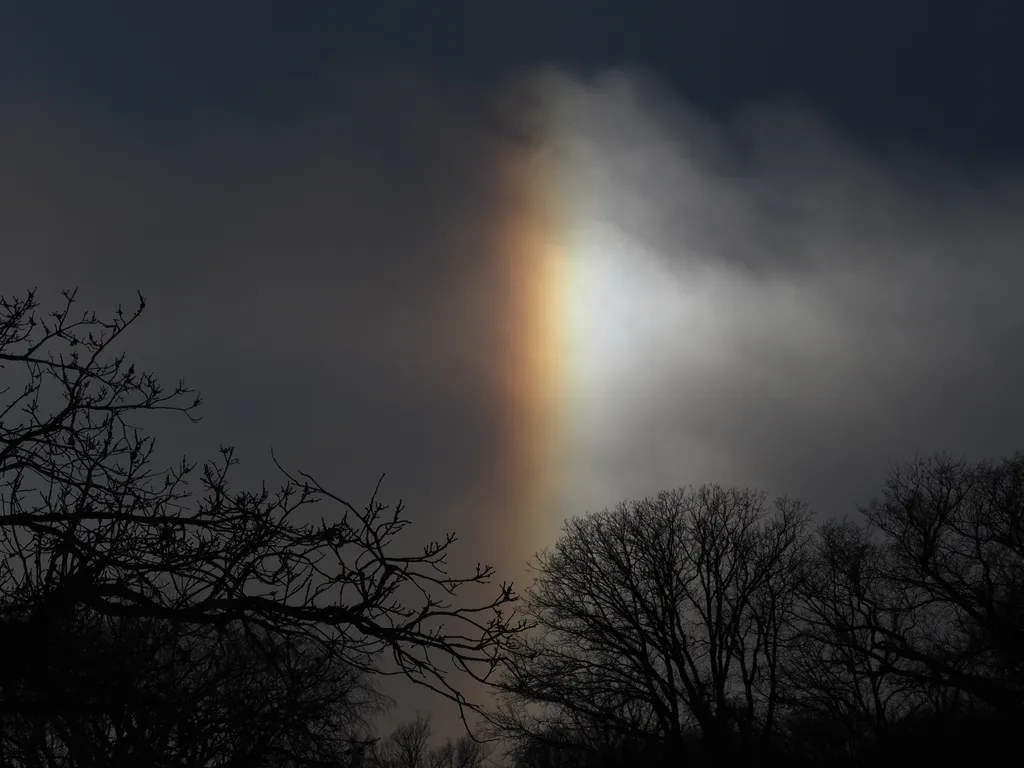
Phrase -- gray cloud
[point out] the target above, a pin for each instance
(844, 306)
(319, 271)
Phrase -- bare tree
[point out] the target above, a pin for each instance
(88, 523)
(912, 619)
(663, 615)
(408, 746)
(463, 752)
(838, 671)
(443, 756)
(955, 534)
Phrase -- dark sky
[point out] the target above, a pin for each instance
(792, 232)
(937, 72)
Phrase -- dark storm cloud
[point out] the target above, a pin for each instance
(847, 306)
(316, 276)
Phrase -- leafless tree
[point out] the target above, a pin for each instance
(88, 523)
(912, 619)
(663, 615)
(408, 746)
(955, 536)
(838, 671)
(463, 752)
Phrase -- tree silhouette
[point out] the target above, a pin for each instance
(90, 527)
(840, 678)
(662, 616)
(463, 752)
(707, 623)
(409, 746)
(955, 533)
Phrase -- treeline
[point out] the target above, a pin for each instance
(710, 627)
(159, 616)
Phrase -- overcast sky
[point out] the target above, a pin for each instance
(793, 251)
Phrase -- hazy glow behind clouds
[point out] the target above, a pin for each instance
(758, 301)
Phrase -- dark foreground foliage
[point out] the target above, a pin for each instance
(159, 616)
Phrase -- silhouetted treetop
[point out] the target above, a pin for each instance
(88, 522)
(955, 533)
(664, 615)
(709, 626)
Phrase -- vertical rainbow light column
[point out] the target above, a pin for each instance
(595, 319)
